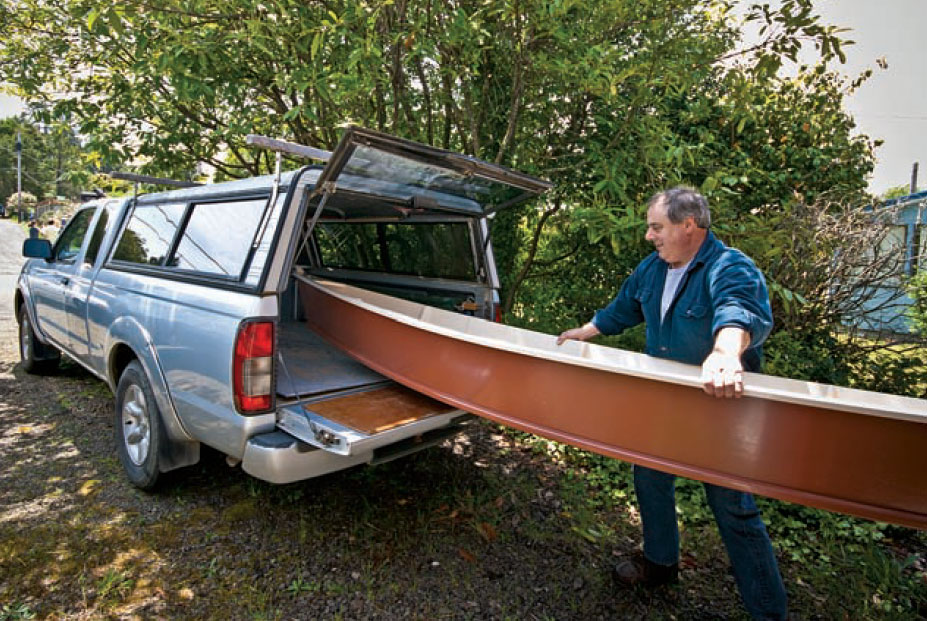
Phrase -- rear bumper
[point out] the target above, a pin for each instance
(278, 457)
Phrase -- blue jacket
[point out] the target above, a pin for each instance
(722, 287)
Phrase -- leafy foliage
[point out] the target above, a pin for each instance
(610, 99)
(897, 192)
(917, 288)
(26, 198)
(49, 158)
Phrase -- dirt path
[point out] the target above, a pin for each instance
(11, 239)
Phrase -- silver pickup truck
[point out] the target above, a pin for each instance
(184, 303)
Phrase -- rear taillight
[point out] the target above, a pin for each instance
(253, 367)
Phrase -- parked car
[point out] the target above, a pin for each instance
(184, 303)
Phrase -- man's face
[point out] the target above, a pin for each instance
(673, 242)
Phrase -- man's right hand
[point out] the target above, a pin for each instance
(579, 334)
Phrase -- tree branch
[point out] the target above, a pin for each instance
(529, 261)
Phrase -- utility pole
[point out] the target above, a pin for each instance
(19, 174)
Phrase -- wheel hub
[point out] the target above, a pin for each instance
(25, 338)
(136, 425)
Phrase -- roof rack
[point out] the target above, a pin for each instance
(153, 180)
(292, 148)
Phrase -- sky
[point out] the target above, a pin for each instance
(891, 105)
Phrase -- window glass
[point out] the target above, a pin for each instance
(69, 242)
(263, 242)
(432, 250)
(218, 237)
(97, 238)
(349, 246)
(148, 235)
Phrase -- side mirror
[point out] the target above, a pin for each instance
(35, 248)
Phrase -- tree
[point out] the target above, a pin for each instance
(612, 100)
(50, 156)
(181, 82)
(897, 192)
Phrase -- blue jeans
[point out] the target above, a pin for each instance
(742, 530)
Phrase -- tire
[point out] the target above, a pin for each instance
(37, 358)
(137, 427)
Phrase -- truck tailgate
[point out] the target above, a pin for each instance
(364, 420)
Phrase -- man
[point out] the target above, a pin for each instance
(707, 304)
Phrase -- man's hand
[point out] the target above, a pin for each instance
(579, 334)
(723, 375)
(722, 371)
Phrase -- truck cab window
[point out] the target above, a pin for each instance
(69, 242)
(97, 238)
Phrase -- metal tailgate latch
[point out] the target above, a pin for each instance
(322, 436)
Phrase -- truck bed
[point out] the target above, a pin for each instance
(331, 387)
(312, 367)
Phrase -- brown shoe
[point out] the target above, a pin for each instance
(638, 570)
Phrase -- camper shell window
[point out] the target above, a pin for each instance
(425, 249)
(220, 239)
(147, 237)
(218, 236)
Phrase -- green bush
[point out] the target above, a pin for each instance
(900, 371)
(28, 199)
(917, 289)
(815, 356)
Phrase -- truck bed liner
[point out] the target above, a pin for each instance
(311, 366)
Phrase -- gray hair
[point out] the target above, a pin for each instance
(682, 202)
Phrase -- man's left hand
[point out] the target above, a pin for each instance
(723, 375)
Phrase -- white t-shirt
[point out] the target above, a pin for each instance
(673, 277)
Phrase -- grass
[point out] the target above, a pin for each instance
(836, 566)
(15, 612)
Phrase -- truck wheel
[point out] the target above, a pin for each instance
(138, 427)
(36, 357)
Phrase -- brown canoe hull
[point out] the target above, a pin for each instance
(869, 466)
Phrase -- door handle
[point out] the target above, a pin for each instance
(65, 280)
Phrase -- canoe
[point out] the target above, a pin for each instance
(851, 451)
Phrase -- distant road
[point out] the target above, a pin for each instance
(11, 260)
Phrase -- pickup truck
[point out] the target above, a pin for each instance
(184, 303)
